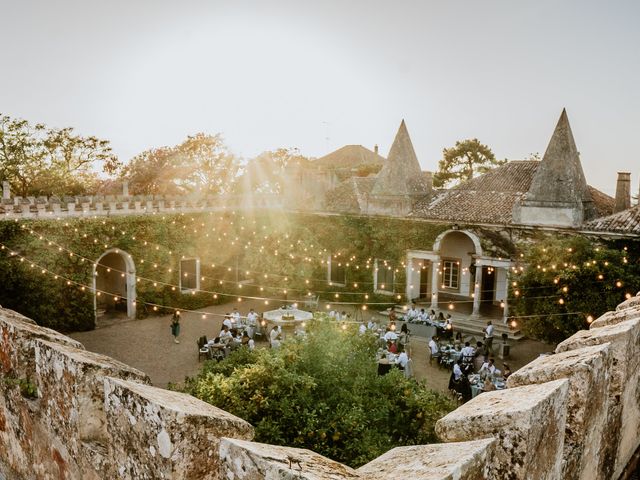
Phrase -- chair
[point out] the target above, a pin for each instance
(203, 349)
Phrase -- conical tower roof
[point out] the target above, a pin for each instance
(560, 178)
(401, 173)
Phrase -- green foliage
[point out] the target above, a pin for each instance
(270, 172)
(202, 164)
(37, 160)
(322, 392)
(565, 281)
(28, 389)
(463, 161)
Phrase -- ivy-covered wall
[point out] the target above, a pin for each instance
(236, 250)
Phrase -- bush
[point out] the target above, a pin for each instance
(322, 392)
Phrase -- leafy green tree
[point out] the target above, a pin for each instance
(41, 161)
(463, 161)
(271, 171)
(200, 164)
(566, 282)
(322, 392)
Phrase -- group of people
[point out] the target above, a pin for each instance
(472, 359)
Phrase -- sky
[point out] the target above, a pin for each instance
(317, 75)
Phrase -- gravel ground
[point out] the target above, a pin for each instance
(147, 345)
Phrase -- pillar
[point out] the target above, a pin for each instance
(125, 188)
(6, 190)
(476, 291)
(434, 284)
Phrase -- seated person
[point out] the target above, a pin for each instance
(274, 337)
(392, 347)
(412, 314)
(372, 325)
(390, 335)
(402, 359)
(423, 317)
(227, 320)
(506, 372)
(434, 349)
(432, 316)
(225, 335)
(488, 368)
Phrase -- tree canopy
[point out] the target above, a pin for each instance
(271, 171)
(564, 282)
(200, 164)
(463, 161)
(322, 392)
(37, 160)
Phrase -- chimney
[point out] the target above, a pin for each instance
(375, 149)
(623, 192)
(6, 190)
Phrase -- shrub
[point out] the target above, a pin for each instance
(322, 392)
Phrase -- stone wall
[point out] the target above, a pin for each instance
(571, 415)
(54, 207)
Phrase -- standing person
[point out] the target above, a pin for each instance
(252, 322)
(488, 338)
(175, 326)
(235, 317)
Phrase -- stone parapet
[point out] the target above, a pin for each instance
(110, 205)
(67, 413)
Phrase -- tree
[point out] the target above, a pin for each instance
(463, 161)
(41, 161)
(322, 392)
(271, 171)
(202, 164)
(566, 281)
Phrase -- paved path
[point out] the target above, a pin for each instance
(147, 344)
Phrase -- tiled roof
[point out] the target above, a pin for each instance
(490, 198)
(514, 176)
(349, 156)
(627, 221)
(469, 206)
(603, 203)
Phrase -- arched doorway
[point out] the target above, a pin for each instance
(114, 284)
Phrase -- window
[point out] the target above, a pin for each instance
(190, 274)
(384, 276)
(450, 273)
(337, 272)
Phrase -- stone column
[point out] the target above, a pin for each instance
(125, 188)
(408, 275)
(434, 284)
(476, 291)
(6, 190)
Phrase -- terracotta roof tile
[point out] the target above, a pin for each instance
(627, 221)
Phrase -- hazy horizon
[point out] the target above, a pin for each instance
(318, 76)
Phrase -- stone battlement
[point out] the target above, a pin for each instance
(67, 413)
(110, 205)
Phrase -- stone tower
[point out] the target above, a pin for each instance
(401, 173)
(401, 180)
(558, 195)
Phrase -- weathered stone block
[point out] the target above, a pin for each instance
(630, 302)
(242, 460)
(617, 316)
(624, 389)
(158, 433)
(528, 422)
(442, 461)
(588, 440)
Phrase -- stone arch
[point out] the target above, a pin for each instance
(115, 273)
(472, 236)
